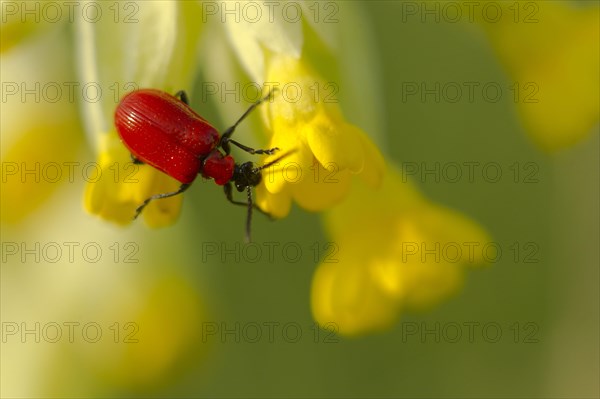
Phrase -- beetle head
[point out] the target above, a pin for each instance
(246, 175)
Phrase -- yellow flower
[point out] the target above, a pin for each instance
(331, 165)
(327, 151)
(396, 251)
(158, 51)
(551, 50)
(304, 117)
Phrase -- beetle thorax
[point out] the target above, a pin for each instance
(218, 167)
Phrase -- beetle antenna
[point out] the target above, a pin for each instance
(249, 217)
(227, 133)
(287, 154)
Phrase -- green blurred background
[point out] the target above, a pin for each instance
(547, 310)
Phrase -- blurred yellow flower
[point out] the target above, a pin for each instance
(144, 340)
(396, 252)
(551, 49)
(15, 29)
(41, 132)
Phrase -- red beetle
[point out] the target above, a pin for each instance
(163, 131)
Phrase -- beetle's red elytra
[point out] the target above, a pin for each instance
(163, 131)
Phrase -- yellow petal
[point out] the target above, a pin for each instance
(333, 141)
(293, 168)
(448, 227)
(277, 205)
(419, 285)
(321, 188)
(345, 298)
(374, 164)
(394, 196)
(412, 255)
(327, 149)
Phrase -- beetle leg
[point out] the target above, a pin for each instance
(139, 209)
(135, 160)
(183, 97)
(229, 194)
(225, 137)
(252, 150)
